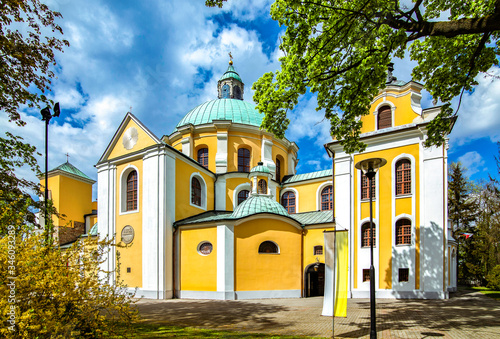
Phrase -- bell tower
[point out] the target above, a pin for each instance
(230, 85)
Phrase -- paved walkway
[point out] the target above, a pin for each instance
(466, 315)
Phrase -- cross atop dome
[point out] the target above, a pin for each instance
(230, 85)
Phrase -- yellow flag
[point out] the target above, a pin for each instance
(336, 270)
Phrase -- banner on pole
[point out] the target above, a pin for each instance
(336, 273)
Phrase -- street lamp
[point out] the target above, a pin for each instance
(369, 168)
(46, 116)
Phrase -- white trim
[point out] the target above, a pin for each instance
(318, 193)
(123, 190)
(291, 189)
(238, 189)
(385, 102)
(203, 185)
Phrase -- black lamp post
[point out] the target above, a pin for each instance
(46, 116)
(369, 168)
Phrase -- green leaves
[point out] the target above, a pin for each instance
(340, 50)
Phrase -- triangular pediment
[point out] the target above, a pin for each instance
(130, 137)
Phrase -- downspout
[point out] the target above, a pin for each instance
(215, 192)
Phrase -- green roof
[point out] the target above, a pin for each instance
(255, 206)
(258, 204)
(69, 168)
(260, 168)
(238, 111)
(230, 73)
(309, 176)
(311, 218)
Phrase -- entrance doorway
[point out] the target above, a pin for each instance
(315, 280)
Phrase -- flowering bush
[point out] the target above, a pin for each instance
(47, 292)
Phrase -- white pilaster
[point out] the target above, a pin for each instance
(432, 215)
(225, 262)
(187, 146)
(220, 193)
(221, 156)
(106, 213)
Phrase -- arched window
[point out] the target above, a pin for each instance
(242, 196)
(268, 247)
(403, 177)
(278, 170)
(237, 92)
(203, 157)
(365, 190)
(365, 235)
(243, 160)
(132, 191)
(262, 187)
(384, 117)
(288, 202)
(403, 232)
(195, 192)
(225, 91)
(327, 198)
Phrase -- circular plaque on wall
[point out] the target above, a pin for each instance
(127, 234)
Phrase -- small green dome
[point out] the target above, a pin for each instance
(260, 168)
(230, 73)
(238, 111)
(258, 204)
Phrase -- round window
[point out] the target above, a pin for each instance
(205, 248)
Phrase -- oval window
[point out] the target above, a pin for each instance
(205, 248)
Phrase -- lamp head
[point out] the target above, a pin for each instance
(57, 110)
(370, 165)
(46, 114)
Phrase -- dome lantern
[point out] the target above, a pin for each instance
(230, 85)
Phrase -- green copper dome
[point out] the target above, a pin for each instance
(260, 168)
(238, 111)
(258, 204)
(69, 168)
(230, 73)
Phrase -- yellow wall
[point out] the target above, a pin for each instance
(143, 141)
(198, 272)
(314, 237)
(265, 272)
(403, 114)
(246, 140)
(131, 255)
(307, 191)
(403, 205)
(183, 208)
(231, 184)
(76, 199)
(206, 140)
(70, 197)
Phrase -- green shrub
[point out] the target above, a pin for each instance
(493, 278)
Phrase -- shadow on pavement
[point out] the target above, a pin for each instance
(211, 314)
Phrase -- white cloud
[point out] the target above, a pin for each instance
(478, 114)
(473, 161)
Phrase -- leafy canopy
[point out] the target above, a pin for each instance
(340, 50)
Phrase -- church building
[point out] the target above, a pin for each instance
(216, 210)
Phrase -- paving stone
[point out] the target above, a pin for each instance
(466, 315)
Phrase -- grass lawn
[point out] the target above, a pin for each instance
(162, 331)
(489, 292)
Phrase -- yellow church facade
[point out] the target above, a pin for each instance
(216, 210)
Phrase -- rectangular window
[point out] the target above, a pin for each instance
(366, 275)
(365, 188)
(318, 250)
(403, 274)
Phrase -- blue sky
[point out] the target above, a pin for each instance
(160, 59)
